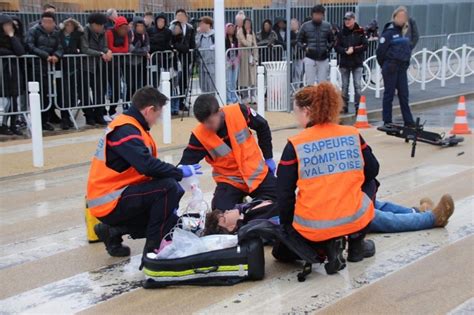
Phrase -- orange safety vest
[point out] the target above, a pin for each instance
(105, 185)
(330, 201)
(242, 164)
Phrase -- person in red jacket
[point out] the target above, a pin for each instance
(117, 42)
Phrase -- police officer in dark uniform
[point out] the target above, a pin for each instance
(393, 55)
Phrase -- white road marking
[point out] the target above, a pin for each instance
(87, 289)
(17, 148)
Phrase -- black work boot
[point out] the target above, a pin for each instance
(334, 249)
(112, 238)
(359, 248)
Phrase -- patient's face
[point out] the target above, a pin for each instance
(229, 219)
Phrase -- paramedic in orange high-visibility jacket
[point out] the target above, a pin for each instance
(129, 189)
(241, 166)
(322, 173)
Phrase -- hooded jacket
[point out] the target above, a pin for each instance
(160, 38)
(355, 38)
(205, 43)
(10, 45)
(116, 43)
(71, 43)
(139, 43)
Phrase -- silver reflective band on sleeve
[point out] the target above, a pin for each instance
(242, 136)
(325, 224)
(257, 173)
(102, 200)
(220, 151)
(232, 178)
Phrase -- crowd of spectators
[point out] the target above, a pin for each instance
(115, 58)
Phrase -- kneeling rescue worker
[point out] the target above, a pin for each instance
(326, 164)
(240, 166)
(129, 189)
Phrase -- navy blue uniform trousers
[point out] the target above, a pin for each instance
(395, 78)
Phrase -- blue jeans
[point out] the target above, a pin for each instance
(357, 80)
(232, 73)
(391, 218)
(175, 105)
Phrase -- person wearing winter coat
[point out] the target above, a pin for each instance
(351, 45)
(297, 54)
(267, 38)
(180, 48)
(186, 44)
(248, 57)
(316, 39)
(280, 30)
(72, 87)
(160, 46)
(139, 47)
(206, 57)
(393, 55)
(43, 41)
(10, 45)
(232, 63)
(118, 43)
(94, 44)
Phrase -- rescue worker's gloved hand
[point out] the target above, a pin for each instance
(271, 165)
(190, 170)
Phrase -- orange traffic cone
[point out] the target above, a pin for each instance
(460, 126)
(362, 122)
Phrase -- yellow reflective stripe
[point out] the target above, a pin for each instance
(257, 173)
(326, 224)
(242, 135)
(102, 200)
(192, 271)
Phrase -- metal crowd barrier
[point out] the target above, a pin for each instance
(260, 54)
(82, 82)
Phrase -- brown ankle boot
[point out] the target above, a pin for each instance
(443, 210)
(426, 204)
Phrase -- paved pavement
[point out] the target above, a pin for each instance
(47, 267)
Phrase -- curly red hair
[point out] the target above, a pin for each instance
(323, 101)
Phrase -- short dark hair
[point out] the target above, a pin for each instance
(212, 224)
(48, 15)
(148, 13)
(97, 18)
(319, 8)
(47, 6)
(180, 11)
(148, 96)
(205, 106)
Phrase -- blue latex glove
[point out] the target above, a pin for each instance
(271, 165)
(190, 170)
